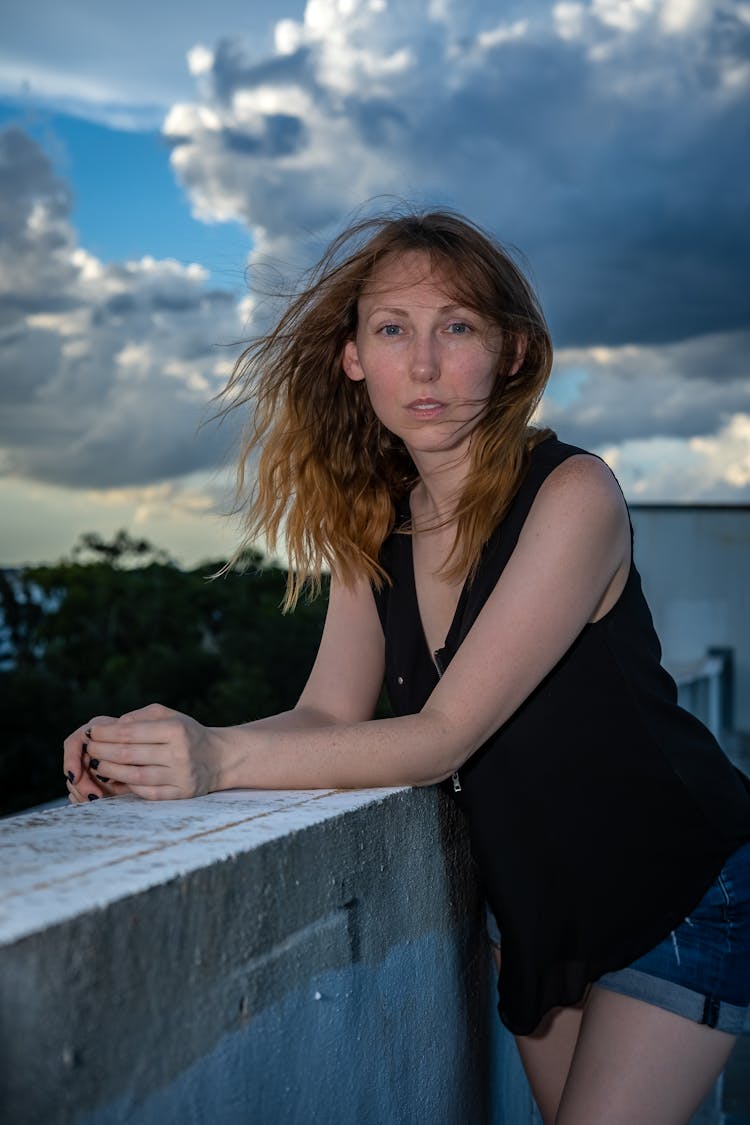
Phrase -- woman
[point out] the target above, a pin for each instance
(485, 569)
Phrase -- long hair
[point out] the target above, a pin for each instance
(329, 474)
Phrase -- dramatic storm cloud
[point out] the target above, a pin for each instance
(107, 370)
(608, 140)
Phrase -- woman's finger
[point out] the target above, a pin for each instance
(108, 758)
(75, 746)
(74, 796)
(136, 775)
(83, 792)
(128, 733)
(111, 788)
(151, 711)
(86, 791)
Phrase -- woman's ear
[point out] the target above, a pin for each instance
(350, 362)
(521, 345)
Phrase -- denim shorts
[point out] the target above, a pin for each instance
(702, 969)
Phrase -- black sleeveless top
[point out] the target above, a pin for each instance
(600, 812)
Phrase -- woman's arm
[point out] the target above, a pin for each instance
(343, 687)
(570, 563)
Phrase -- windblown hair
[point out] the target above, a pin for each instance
(329, 474)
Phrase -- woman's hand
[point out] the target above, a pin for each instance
(84, 778)
(155, 752)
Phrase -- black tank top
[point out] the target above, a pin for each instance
(600, 812)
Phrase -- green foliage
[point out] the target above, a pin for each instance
(129, 628)
(123, 549)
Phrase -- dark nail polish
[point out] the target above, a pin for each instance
(70, 775)
(93, 796)
(94, 763)
(99, 777)
(87, 732)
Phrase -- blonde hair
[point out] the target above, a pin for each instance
(329, 474)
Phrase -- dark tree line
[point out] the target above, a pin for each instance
(118, 626)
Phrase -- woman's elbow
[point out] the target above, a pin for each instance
(450, 748)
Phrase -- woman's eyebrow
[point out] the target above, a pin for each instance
(393, 311)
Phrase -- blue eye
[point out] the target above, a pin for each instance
(459, 328)
(390, 329)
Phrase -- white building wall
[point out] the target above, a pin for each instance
(695, 565)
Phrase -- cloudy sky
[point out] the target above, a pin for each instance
(147, 158)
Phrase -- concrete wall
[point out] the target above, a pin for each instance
(695, 564)
(257, 958)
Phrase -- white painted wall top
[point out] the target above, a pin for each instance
(66, 861)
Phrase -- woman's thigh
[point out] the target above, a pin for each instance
(547, 1053)
(634, 1061)
(547, 1056)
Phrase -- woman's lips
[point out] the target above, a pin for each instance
(425, 407)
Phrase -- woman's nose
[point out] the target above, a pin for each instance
(425, 365)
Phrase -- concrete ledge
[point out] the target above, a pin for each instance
(253, 957)
(52, 864)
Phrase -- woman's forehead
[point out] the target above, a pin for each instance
(406, 270)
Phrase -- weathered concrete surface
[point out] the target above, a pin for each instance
(52, 865)
(245, 957)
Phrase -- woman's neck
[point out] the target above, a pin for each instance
(436, 494)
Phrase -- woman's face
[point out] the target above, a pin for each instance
(429, 364)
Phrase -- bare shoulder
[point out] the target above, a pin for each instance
(586, 486)
(580, 513)
(584, 471)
